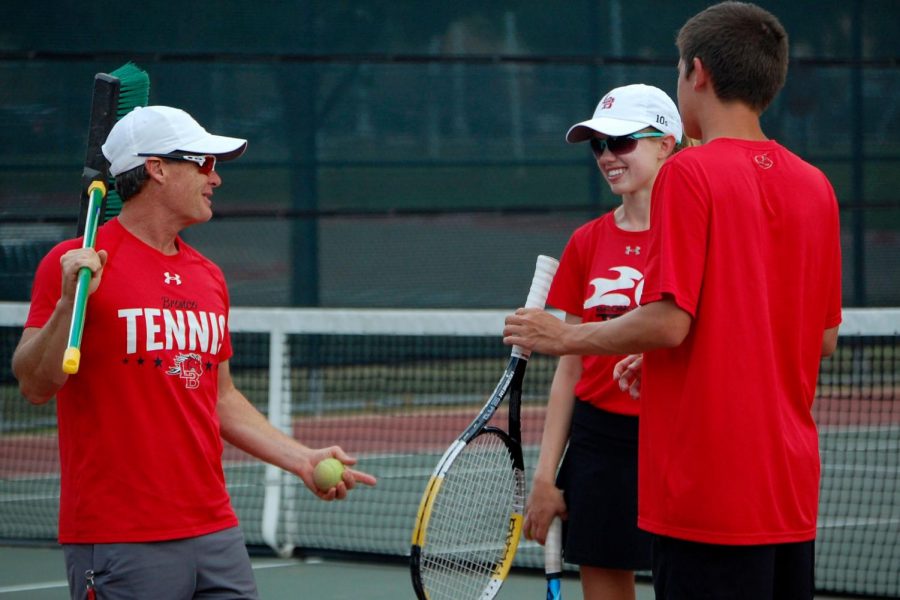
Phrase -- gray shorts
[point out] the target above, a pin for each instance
(209, 566)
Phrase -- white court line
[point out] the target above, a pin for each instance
(52, 585)
(277, 565)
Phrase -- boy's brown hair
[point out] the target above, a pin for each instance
(744, 48)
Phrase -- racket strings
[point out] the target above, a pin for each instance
(467, 532)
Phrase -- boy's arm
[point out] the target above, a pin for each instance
(659, 324)
(829, 341)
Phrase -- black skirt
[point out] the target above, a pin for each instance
(598, 477)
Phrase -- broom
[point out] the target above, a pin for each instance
(114, 95)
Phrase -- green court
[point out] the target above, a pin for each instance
(37, 574)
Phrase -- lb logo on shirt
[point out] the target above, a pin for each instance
(189, 367)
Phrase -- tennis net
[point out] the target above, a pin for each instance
(394, 387)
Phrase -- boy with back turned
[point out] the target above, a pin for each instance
(741, 299)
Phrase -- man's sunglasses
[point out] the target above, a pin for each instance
(205, 162)
(622, 144)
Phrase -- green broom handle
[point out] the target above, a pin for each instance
(72, 357)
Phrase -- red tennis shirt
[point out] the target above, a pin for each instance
(600, 277)
(140, 450)
(745, 237)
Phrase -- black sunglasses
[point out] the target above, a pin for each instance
(621, 144)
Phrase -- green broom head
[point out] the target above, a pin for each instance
(134, 91)
(134, 88)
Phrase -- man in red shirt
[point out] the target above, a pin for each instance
(144, 512)
(742, 298)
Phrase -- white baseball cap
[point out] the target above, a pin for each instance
(159, 130)
(628, 109)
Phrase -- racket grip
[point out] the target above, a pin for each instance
(553, 548)
(544, 271)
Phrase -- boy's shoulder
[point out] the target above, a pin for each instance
(699, 157)
(731, 159)
(727, 150)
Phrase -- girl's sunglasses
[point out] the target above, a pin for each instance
(205, 162)
(622, 144)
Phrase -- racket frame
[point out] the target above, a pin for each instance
(510, 384)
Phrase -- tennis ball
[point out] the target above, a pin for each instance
(327, 473)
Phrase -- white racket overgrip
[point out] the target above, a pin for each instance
(544, 271)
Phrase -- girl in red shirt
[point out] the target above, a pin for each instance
(634, 129)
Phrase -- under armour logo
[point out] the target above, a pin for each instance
(607, 103)
(763, 161)
(172, 277)
(630, 250)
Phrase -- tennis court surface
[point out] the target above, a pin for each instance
(38, 574)
(394, 388)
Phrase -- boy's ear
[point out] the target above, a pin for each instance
(699, 74)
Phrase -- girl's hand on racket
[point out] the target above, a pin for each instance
(71, 263)
(628, 373)
(545, 502)
(349, 479)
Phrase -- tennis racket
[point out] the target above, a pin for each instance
(470, 517)
(553, 560)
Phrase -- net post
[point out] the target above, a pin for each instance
(279, 409)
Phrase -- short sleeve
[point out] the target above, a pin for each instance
(679, 231)
(47, 286)
(566, 291)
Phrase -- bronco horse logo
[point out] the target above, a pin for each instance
(188, 367)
